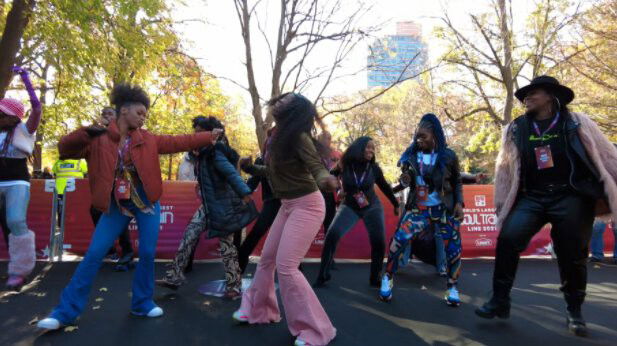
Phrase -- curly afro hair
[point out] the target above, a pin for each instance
(126, 94)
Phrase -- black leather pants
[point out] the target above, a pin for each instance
(571, 216)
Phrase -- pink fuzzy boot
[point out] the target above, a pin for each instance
(22, 259)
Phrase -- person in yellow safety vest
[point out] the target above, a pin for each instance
(65, 169)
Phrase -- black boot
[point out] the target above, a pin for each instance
(496, 307)
(576, 323)
(321, 280)
(574, 317)
(243, 262)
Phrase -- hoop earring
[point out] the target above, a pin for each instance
(558, 104)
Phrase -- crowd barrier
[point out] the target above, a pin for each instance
(179, 202)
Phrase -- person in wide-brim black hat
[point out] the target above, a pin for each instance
(554, 166)
(564, 94)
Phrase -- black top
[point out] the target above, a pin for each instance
(14, 169)
(373, 175)
(559, 174)
(254, 181)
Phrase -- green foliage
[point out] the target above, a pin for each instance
(79, 49)
(592, 68)
(390, 120)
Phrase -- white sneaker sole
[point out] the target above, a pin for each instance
(49, 324)
(239, 317)
(453, 303)
(156, 312)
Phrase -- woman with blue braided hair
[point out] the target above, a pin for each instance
(435, 201)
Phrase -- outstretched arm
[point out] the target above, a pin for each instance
(380, 180)
(75, 145)
(175, 144)
(35, 115)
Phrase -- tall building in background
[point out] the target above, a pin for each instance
(396, 57)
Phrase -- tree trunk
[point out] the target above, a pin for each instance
(40, 132)
(508, 81)
(16, 22)
(245, 19)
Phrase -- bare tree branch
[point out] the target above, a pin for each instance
(399, 80)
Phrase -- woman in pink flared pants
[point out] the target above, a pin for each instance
(296, 173)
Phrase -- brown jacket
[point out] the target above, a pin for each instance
(101, 153)
(599, 149)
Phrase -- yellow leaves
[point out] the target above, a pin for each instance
(70, 329)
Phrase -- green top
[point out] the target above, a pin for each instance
(295, 177)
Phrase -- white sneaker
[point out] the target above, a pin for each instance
(155, 312)
(240, 317)
(387, 283)
(300, 342)
(49, 324)
(452, 297)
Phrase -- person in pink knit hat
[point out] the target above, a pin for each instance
(17, 140)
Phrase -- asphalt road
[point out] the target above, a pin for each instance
(416, 316)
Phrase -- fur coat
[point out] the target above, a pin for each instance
(600, 150)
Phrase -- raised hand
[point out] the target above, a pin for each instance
(216, 133)
(19, 70)
(245, 162)
(95, 130)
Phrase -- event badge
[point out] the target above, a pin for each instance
(361, 199)
(422, 193)
(544, 157)
(122, 189)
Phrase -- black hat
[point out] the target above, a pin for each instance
(564, 94)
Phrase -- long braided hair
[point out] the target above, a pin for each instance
(430, 122)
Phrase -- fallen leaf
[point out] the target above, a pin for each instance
(474, 274)
(207, 303)
(424, 288)
(70, 328)
(596, 266)
(38, 294)
(99, 299)
(96, 307)
(33, 321)
(103, 289)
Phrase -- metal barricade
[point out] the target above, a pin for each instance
(56, 237)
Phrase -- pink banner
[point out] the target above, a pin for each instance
(179, 202)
